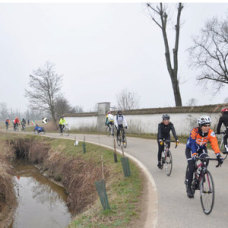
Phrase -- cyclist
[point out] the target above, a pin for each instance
(197, 145)
(120, 123)
(164, 134)
(109, 121)
(224, 120)
(23, 123)
(62, 123)
(16, 122)
(7, 122)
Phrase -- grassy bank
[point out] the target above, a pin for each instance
(77, 172)
(7, 194)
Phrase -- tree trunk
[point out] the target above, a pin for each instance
(176, 90)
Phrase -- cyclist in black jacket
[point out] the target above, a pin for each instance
(164, 133)
(224, 120)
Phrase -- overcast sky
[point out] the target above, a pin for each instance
(100, 49)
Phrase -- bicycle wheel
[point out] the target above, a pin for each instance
(119, 137)
(108, 131)
(168, 163)
(207, 192)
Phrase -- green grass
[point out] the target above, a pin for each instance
(123, 193)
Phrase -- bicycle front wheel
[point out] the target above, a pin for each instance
(119, 140)
(207, 192)
(168, 163)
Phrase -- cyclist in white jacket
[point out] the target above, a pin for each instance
(120, 122)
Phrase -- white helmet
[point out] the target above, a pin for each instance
(204, 120)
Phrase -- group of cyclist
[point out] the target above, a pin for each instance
(16, 123)
(119, 121)
(196, 143)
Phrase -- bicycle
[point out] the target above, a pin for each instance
(121, 138)
(22, 127)
(110, 129)
(167, 159)
(203, 181)
(66, 129)
(16, 127)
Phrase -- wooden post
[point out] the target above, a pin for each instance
(115, 154)
(84, 146)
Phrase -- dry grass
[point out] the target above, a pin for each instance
(78, 171)
(7, 194)
(76, 174)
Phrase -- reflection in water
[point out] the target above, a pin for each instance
(41, 203)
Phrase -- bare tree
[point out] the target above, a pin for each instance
(160, 17)
(77, 109)
(44, 88)
(210, 51)
(192, 102)
(3, 111)
(62, 106)
(127, 100)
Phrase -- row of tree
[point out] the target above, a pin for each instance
(6, 113)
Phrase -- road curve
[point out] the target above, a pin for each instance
(174, 209)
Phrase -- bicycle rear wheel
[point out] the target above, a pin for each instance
(207, 193)
(168, 163)
(125, 142)
(119, 137)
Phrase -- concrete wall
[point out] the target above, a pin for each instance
(147, 120)
(183, 122)
(83, 123)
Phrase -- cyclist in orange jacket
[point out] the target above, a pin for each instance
(197, 145)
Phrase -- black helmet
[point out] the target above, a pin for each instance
(165, 117)
(119, 112)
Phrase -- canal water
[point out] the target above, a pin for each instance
(41, 203)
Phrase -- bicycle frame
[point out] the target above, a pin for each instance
(203, 167)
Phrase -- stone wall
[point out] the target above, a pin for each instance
(146, 120)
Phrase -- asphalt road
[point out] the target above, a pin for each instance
(174, 208)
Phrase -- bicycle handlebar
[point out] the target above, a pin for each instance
(167, 141)
(225, 152)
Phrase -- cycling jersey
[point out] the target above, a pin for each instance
(109, 118)
(16, 121)
(164, 131)
(223, 120)
(120, 121)
(62, 121)
(197, 141)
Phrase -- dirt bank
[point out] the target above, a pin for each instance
(75, 174)
(7, 194)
